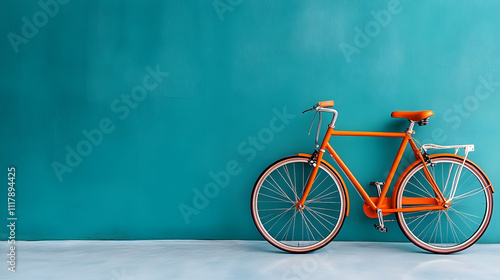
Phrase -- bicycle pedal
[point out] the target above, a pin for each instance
(380, 228)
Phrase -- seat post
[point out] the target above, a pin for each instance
(410, 127)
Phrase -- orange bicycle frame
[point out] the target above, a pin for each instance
(375, 203)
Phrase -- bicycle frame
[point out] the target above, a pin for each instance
(382, 203)
(299, 203)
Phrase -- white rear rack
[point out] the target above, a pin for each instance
(458, 172)
(467, 148)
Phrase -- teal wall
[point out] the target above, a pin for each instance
(117, 114)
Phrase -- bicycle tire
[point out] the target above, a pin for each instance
(463, 222)
(275, 194)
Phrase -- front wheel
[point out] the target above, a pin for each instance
(463, 222)
(275, 215)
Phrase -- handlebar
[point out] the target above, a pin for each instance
(322, 107)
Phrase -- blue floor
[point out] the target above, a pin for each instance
(187, 259)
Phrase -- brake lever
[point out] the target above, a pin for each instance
(313, 108)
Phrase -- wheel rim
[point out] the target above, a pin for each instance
(273, 206)
(458, 226)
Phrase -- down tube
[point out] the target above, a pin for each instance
(351, 177)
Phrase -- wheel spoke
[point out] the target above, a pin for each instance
(289, 223)
(291, 188)
(312, 190)
(423, 189)
(323, 196)
(279, 218)
(276, 185)
(323, 215)
(277, 198)
(315, 216)
(469, 193)
(278, 193)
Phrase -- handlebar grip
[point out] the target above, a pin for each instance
(326, 103)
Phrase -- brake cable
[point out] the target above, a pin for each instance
(317, 130)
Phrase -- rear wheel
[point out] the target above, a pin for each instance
(275, 195)
(463, 222)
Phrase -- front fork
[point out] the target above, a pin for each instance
(314, 161)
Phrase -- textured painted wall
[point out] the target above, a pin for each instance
(153, 119)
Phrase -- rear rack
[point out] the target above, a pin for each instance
(467, 148)
(458, 172)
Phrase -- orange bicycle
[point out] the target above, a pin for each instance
(443, 202)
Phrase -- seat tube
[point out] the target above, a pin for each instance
(312, 177)
(392, 171)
